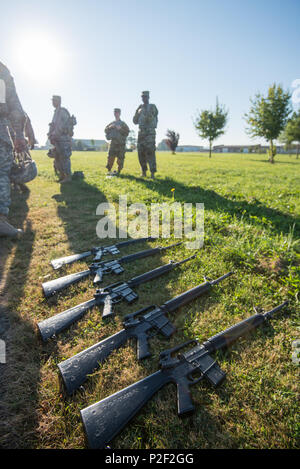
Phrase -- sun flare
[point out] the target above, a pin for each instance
(40, 56)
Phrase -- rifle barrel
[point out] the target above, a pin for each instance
(220, 279)
(227, 337)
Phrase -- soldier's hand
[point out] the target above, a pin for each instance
(20, 144)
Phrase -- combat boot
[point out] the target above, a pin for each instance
(6, 229)
(152, 175)
(144, 174)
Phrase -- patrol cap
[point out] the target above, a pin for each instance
(117, 109)
(55, 96)
(145, 93)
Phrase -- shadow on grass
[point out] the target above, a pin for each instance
(281, 222)
(19, 377)
(276, 162)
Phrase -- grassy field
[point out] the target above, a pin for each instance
(252, 226)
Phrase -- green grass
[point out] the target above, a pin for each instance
(252, 213)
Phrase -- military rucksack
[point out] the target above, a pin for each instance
(23, 169)
(71, 124)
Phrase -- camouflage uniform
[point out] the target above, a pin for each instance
(146, 118)
(11, 114)
(60, 138)
(117, 131)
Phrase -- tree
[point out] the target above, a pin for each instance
(131, 140)
(79, 146)
(291, 133)
(210, 124)
(172, 140)
(268, 116)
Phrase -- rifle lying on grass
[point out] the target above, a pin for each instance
(98, 269)
(103, 420)
(97, 252)
(75, 370)
(107, 297)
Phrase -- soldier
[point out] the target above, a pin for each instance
(60, 133)
(117, 131)
(11, 114)
(146, 117)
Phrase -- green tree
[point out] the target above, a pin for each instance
(79, 146)
(268, 116)
(172, 140)
(291, 133)
(131, 140)
(210, 124)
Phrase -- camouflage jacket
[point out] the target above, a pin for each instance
(117, 132)
(60, 124)
(11, 112)
(146, 116)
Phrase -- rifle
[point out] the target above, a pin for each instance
(98, 269)
(103, 420)
(108, 297)
(97, 252)
(138, 325)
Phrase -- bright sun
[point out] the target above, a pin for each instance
(40, 56)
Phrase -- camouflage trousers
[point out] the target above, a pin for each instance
(116, 151)
(63, 152)
(6, 160)
(146, 150)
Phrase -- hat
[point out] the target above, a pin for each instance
(145, 93)
(117, 109)
(55, 96)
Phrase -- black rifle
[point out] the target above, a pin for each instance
(108, 296)
(103, 420)
(138, 325)
(97, 252)
(98, 269)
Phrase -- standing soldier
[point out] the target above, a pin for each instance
(146, 117)
(11, 114)
(60, 135)
(117, 131)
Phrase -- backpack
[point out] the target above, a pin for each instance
(71, 124)
(23, 169)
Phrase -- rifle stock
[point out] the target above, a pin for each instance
(54, 286)
(58, 263)
(61, 321)
(75, 370)
(103, 420)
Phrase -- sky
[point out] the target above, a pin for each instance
(100, 54)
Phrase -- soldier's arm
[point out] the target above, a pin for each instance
(16, 114)
(29, 133)
(107, 131)
(61, 125)
(124, 129)
(136, 115)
